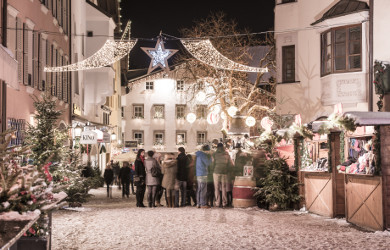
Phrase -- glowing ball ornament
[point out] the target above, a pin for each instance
(267, 123)
(191, 117)
(213, 118)
(223, 116)
(232, 110)
(200, 96)
(250, 121)
(215, 109)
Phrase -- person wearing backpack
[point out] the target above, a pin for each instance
(153, 170)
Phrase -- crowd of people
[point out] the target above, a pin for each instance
(203, 180)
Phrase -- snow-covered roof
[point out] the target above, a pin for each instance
(369, 118)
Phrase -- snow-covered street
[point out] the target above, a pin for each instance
(116, 223)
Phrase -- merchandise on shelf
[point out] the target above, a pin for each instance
(361, 159)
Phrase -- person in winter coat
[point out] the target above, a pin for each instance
(116, 168)
(182, 177)
(160, 189)
(191, 183)
(139, 177)
(222, 164)
(108, 177)
(169, 170)
(202, 162)
(124, 176)
(151, 181)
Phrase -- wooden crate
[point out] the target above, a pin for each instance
(363, 196)
(319, 193)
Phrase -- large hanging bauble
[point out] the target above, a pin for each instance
(266, 123)
(212, 118)
(232, 110)
(191, 117)
(201, 96)
(250, 121)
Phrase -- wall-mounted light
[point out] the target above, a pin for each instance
(77, 131)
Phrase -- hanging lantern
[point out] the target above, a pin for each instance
(212, 118)
(232, 111)
(201, 96)
(77, 131)
(223, 115)
(191, 117)
(113, 136)
(250, 121)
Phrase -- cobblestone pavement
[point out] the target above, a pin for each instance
(116, 223)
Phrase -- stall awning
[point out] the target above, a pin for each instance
(8, 68)
(369, 118)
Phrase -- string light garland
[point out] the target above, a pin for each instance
(111, 52)
(204, 51)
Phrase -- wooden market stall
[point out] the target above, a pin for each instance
(323, 185)
(367, 171)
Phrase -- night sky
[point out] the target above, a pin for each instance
(149, 18)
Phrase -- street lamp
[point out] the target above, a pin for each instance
(77, 131)
(113, 137)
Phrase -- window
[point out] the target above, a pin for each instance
(180, 85)
(149, 85)
(180, 111)
(106, 118)
(158, 111)
(201, 137)
(158, 138)
(181, 137)
(138, 135)
(341, 50)
(138, 111)
(288, 63)
(122, 112)
(201, 111)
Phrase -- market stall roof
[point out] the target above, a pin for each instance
(315, 126)
(129, 156)
(369, 118)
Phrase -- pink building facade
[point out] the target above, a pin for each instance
(38, 35)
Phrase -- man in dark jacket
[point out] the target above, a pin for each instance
(182, 177)
(139, 177)
(222, 164)
(124, 175)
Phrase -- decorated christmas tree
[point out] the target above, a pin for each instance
(23, 188)
(44, 138)
(307, 162)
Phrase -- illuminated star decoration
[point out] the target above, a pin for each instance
(159, 56)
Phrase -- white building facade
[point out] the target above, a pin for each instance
(322, 57)
(155, 115)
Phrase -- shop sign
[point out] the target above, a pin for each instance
(131, 144)
(106, 137)
(88, 137)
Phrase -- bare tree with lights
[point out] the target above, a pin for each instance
(227, 87)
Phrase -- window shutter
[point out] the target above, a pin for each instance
(66, 84)
(36, 75)
(19, 48)
(59, 12)
(25, 54)
(59, 76)
(41, 62)
(48, 63)
(54, 74)
(65, 16)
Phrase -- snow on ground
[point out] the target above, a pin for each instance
(116, 223)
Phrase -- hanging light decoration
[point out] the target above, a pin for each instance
(216, 109)
(232, 110)
(213, 118)
(204, 51)
(200, 96)
(159, 56)
(191, 117)
(267, 123)
(223, 115)
(250, 121)
(111, 52)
